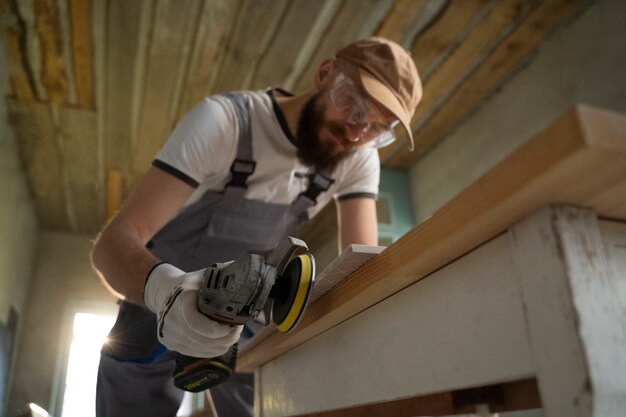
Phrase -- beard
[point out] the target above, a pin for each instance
(313, 150)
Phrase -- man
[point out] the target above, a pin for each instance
(239, 172)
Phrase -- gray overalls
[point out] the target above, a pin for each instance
(135, 377)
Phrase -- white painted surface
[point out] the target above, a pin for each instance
(583, 62)
(461, 326)
(575, 316)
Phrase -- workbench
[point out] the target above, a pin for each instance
(512, 296)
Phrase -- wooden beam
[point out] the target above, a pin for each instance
(485, 34)
(400, 20)
(79, 132)
(113, 192)
(580, 159)
(495, 69)
(13, 28)
(254, 27)
(354, 19)
(122, 39)
(214, 25)
(275, 65)
(166, 63)
(82, 54)
(53, 76)
(36, 132)
(512, 396)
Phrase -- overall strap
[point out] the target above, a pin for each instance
(243, 166)
(318, 183)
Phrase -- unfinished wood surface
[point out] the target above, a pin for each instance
(255, 24)
(161, 89)
(122, 43)
(354, 19)
(463, 326)
(214, 26)
(54, 75)
(20, 75)
(275, 64)
(36, 134)
(494, 69)
(402, 17)
(82, 51)
(575, 316)
(574, 160)
(79, 133)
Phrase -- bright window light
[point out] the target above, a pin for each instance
(89, 332)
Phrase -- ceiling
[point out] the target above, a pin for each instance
(97, 85)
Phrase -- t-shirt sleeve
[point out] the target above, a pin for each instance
(360, 177)
(202, 144)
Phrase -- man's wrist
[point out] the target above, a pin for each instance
(160, 280)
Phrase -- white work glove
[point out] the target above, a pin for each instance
(173, 295)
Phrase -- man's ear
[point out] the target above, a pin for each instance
(324, 71)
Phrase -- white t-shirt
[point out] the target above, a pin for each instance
(203, 146)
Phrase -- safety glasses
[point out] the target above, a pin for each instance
(360, 113)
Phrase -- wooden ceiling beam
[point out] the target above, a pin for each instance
(488, 29)
(216, 19)
(82, 51)
(509, 55)
(20, 74)
(36, 132)
(166, 63)
(401, 19)
(354, 19)
(254, 27)
(275, 65)
(54, 74)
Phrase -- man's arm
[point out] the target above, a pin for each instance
(119, 253)
(357, 222)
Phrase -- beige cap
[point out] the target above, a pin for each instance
(388, 74)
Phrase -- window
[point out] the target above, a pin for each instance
(79, 393)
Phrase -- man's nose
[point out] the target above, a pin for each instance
(354, 131)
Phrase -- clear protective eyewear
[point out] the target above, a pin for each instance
(358, 110)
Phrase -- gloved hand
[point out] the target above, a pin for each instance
(172, 294)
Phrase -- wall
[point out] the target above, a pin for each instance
(19, 229)
(63, 277)
(583, 62)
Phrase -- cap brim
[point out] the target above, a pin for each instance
(381, 93)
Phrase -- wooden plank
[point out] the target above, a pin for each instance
(355, 19)
(571, 161)
(114, 192)
(20, 74)
(485, 34)
(254, 28)
(212, 33)
(168, 56)
(461, 327)
(35, 132)
(444, 34)
(574, 314)
(512, 396)
(79, 132)
(123, 31)
(275, 65)
(82, 55)
(54, 75)
(496, 68)
(400, 20)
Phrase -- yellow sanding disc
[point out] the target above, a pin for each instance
(303, 291)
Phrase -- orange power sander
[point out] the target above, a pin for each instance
(268, 290)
